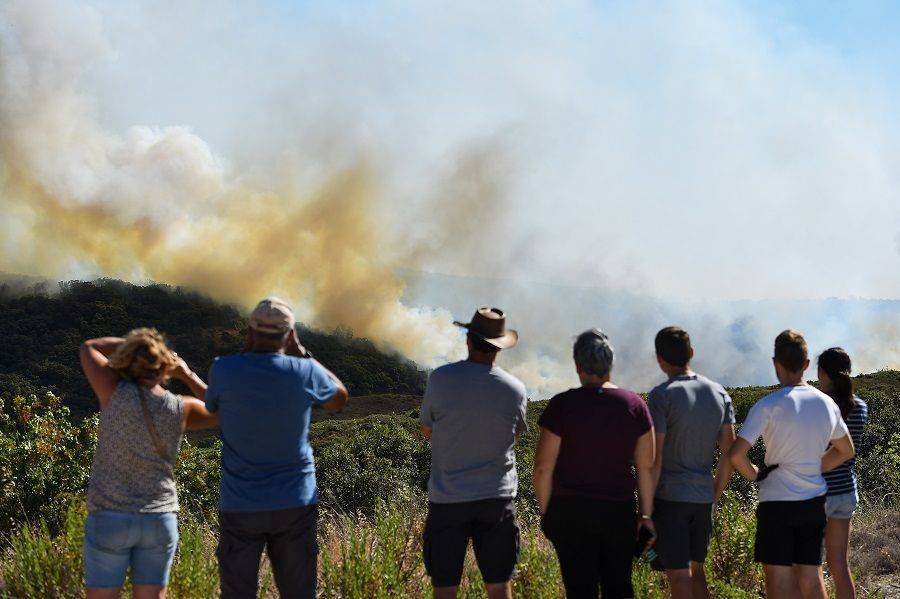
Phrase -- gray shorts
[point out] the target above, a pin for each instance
(683, 530)
(841, 507)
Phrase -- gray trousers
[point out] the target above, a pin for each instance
(289, 538)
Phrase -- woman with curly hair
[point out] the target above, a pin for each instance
(131, 496)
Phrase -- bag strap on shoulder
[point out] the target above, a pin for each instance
(151, 428)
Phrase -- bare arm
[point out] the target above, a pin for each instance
(196, 416)
(94, 356)
(725, 470)
(340, 397)
(740, 459)
(544, 464)
(840, 451)
(644, 461)
(187, 376)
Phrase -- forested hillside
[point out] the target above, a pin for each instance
(42, 327)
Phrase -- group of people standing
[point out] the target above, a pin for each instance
(599, 444)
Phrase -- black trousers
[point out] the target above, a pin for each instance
(289, 538)
(594, 541)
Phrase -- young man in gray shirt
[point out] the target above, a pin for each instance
(692, 415)
(472, 412)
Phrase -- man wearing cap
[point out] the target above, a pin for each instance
(268, 497)
(472, 412)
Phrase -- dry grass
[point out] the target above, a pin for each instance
(875, 552)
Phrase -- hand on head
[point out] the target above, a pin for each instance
(293, 346)
(181, 370)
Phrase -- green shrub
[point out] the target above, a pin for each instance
(40, 564)
(45, 460)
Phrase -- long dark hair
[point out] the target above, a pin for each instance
(836, 364)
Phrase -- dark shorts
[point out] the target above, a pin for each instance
(594, 541)
(489, 523)
(790, 532)
(683, 530)
(289, 538)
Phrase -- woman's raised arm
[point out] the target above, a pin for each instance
(94, 356)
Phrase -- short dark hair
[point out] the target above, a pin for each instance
(790, 350)
(480, 345)
(673, 344)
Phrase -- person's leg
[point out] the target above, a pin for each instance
(616, 526)
(839, 509)
(108, 540)
(680, 583)
(837, 542)
(293, 551)
(698, 581)
(151, 558)
(810, 581)
(700, 530)
(578, 559)
(780, 583)
(577, 550)
(445, 592)
(774, 546)
(148, 591)
(242, 537)
(495, 539)
(673, 545)
(499, 590)
(444, 543)
(809, 535)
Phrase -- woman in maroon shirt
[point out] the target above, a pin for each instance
(590, 437)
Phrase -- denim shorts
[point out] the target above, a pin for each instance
(117, 541)
(841, 507)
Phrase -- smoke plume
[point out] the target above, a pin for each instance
(388, 165)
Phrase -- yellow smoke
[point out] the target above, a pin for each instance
(323, 251)
(159, 205)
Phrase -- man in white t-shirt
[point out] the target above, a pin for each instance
(797, 423)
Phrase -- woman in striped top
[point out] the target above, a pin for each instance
(842, 497)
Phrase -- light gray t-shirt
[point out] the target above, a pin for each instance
(690, 409)
(475, 412)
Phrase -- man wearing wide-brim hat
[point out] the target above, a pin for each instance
(472, 412)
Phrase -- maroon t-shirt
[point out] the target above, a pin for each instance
(599, 428)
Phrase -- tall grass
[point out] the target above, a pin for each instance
(375, 556)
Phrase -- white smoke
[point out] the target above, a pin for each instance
(690, 151)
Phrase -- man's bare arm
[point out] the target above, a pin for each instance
(726, 469)
(840, 451)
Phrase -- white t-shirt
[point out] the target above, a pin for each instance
(796, 423)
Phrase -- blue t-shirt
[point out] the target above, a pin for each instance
(264, 402)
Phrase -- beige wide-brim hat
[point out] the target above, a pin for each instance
(489, 324)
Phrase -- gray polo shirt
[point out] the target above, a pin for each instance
(690, 410)
(475, 412)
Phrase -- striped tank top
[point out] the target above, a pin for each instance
(843, 478)
(128, 475)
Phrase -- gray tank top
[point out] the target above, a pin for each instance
(128, 475)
